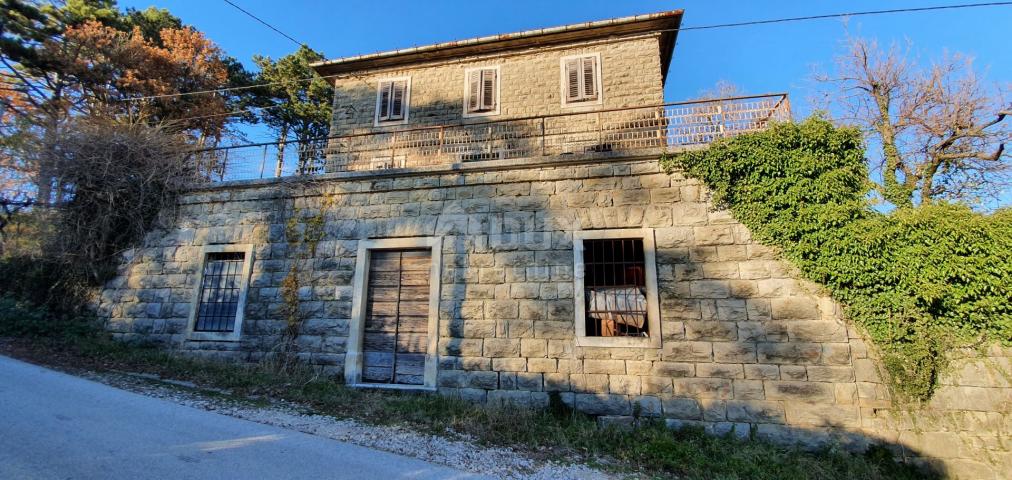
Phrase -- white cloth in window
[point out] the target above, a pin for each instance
(615, 304)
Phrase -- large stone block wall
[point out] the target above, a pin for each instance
(530, 85)
(745, 347)
(964, 431)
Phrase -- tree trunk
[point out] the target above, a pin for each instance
(46, 157)
(892, 190)
(282, 140)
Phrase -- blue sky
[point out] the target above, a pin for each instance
(768, 58)
(759, 59)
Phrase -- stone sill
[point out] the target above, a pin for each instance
(388, 386)
(202, 337)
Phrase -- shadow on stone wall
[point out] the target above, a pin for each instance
(746, 348)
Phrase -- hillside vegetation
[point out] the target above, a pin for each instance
(919, 280)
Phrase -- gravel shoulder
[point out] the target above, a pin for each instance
(450, 450)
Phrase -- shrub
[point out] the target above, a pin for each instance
(45, 282)
(119, 177)
(116, 179)
(921, 281)
(19, 318)
(29, 278)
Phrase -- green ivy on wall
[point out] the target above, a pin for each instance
(920, 281)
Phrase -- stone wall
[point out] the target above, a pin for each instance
(745, 345)
(530, 85)
(964, 431)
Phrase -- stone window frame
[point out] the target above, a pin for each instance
(407, 101)
(240, 312)
(653, 340)
(498, 91)
(353, 354)
(564, 83)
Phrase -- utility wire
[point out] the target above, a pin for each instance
(225, 114)
(254, 17)
(838, 15)
(225, 89)
(701, 27)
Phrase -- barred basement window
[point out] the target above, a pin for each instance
(221, 293)
(616, 288)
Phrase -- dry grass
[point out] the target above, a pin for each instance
(651, 451)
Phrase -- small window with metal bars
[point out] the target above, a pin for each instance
(220, 292)
(615, 288)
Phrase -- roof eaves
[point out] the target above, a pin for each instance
(327, 66)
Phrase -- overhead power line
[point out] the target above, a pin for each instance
(226, 114)
(272, 27)
(839, 15)
(700, 27)
(225, 89)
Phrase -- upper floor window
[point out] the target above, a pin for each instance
(393, 97)
(481, 91)
(581, 79)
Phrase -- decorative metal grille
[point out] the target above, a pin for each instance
(615, 287)
(219, 292)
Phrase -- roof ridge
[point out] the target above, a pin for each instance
(672, 15)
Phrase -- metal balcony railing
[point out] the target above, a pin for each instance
(597, 133)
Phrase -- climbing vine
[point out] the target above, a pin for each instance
(291, 309)
(920, 281)
(303, 231)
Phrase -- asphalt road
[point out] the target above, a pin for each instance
(54, 425)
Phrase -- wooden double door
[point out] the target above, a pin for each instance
(395, 333)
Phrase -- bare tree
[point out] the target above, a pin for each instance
(14, 198)
(721, 89)
(119, 177)
(940, 128)
(17, 188)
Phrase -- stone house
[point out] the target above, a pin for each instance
(489, 220)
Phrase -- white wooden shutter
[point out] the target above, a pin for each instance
(582, 82)
(473, 87)
(589, 70)
(482, 91)
(573, 80)
(383, 102)
(397, 93)
(488, 90)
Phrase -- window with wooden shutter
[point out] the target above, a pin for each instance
(392, 100)
(588, 70)
(573, 80)
(482, 90)
(582, 79)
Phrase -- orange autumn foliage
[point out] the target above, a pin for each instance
(111, 66)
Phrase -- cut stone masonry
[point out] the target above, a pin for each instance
(745, 345)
